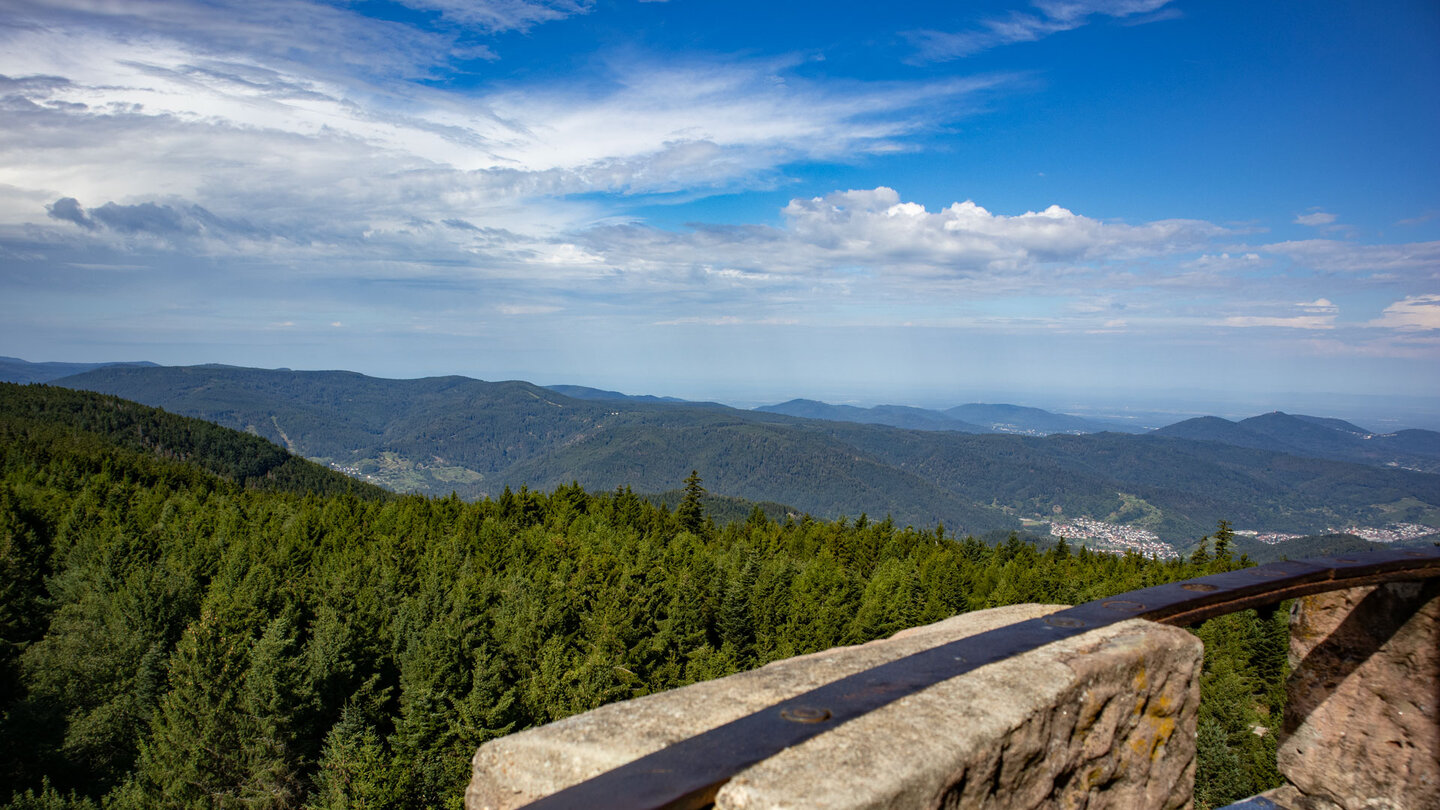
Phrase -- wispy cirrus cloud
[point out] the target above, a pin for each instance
(1050, 17)
(1319, 314)
(192, 111)
(504, 15)
(320, 38)
(1412, 260)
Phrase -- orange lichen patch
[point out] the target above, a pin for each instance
(1095, 777)
(1154, 728)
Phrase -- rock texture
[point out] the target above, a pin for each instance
(1362, 728)
(1102, 720)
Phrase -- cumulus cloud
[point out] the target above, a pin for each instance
(68, 209)
(1414, 313)
(859, 248)
(876, 225)
(1050, 17)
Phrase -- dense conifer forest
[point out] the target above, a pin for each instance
(190, 617)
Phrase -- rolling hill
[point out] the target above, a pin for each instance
(1317, 437)
(972, 418)
(50, 416)
(444, 434)
(15, 370)
(900, 416)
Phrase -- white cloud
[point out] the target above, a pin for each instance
(875, 226)
(504, 15)
(1053, 17)
(1412, 259)
(1319, 314)
(1225, 261)
(1420, 219)
(527, 309)
(187, 113)
(319, 38)
(1414, 313)
(727, 118)
(1408, 346)
(876, 256)
(726, 320)
(1315, 219)
(1285, 322)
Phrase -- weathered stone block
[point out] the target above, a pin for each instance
(1362, 727)
(1101, 720)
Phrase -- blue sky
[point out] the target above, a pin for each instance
(1063, 202)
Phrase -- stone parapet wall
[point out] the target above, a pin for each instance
(1101, 720)
(1362, 726)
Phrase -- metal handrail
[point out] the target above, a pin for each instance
(689, 773)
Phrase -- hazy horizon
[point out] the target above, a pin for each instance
(1151, 409)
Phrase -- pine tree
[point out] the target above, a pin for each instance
(1223, 536)
(736, 624)
(1202, 552)
(691, 513)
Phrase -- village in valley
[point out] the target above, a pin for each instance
(1099, 535)
(1102, 536)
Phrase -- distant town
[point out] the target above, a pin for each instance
(1394, 533)
(1391, 533)
(1270, 538)
(1102, 536)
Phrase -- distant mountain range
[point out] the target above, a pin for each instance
(1316, 437)
(443, 434)
(582, 392)
(972, 418)
(15, 370)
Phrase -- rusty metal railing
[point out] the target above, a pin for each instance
(689, 773)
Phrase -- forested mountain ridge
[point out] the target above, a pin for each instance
(972, 418)
(1315, 437)
(1004, 418)
(170, 639)
(448, 434)
(246, 460)
(892, 415)
(15, 370)
(585, 392)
